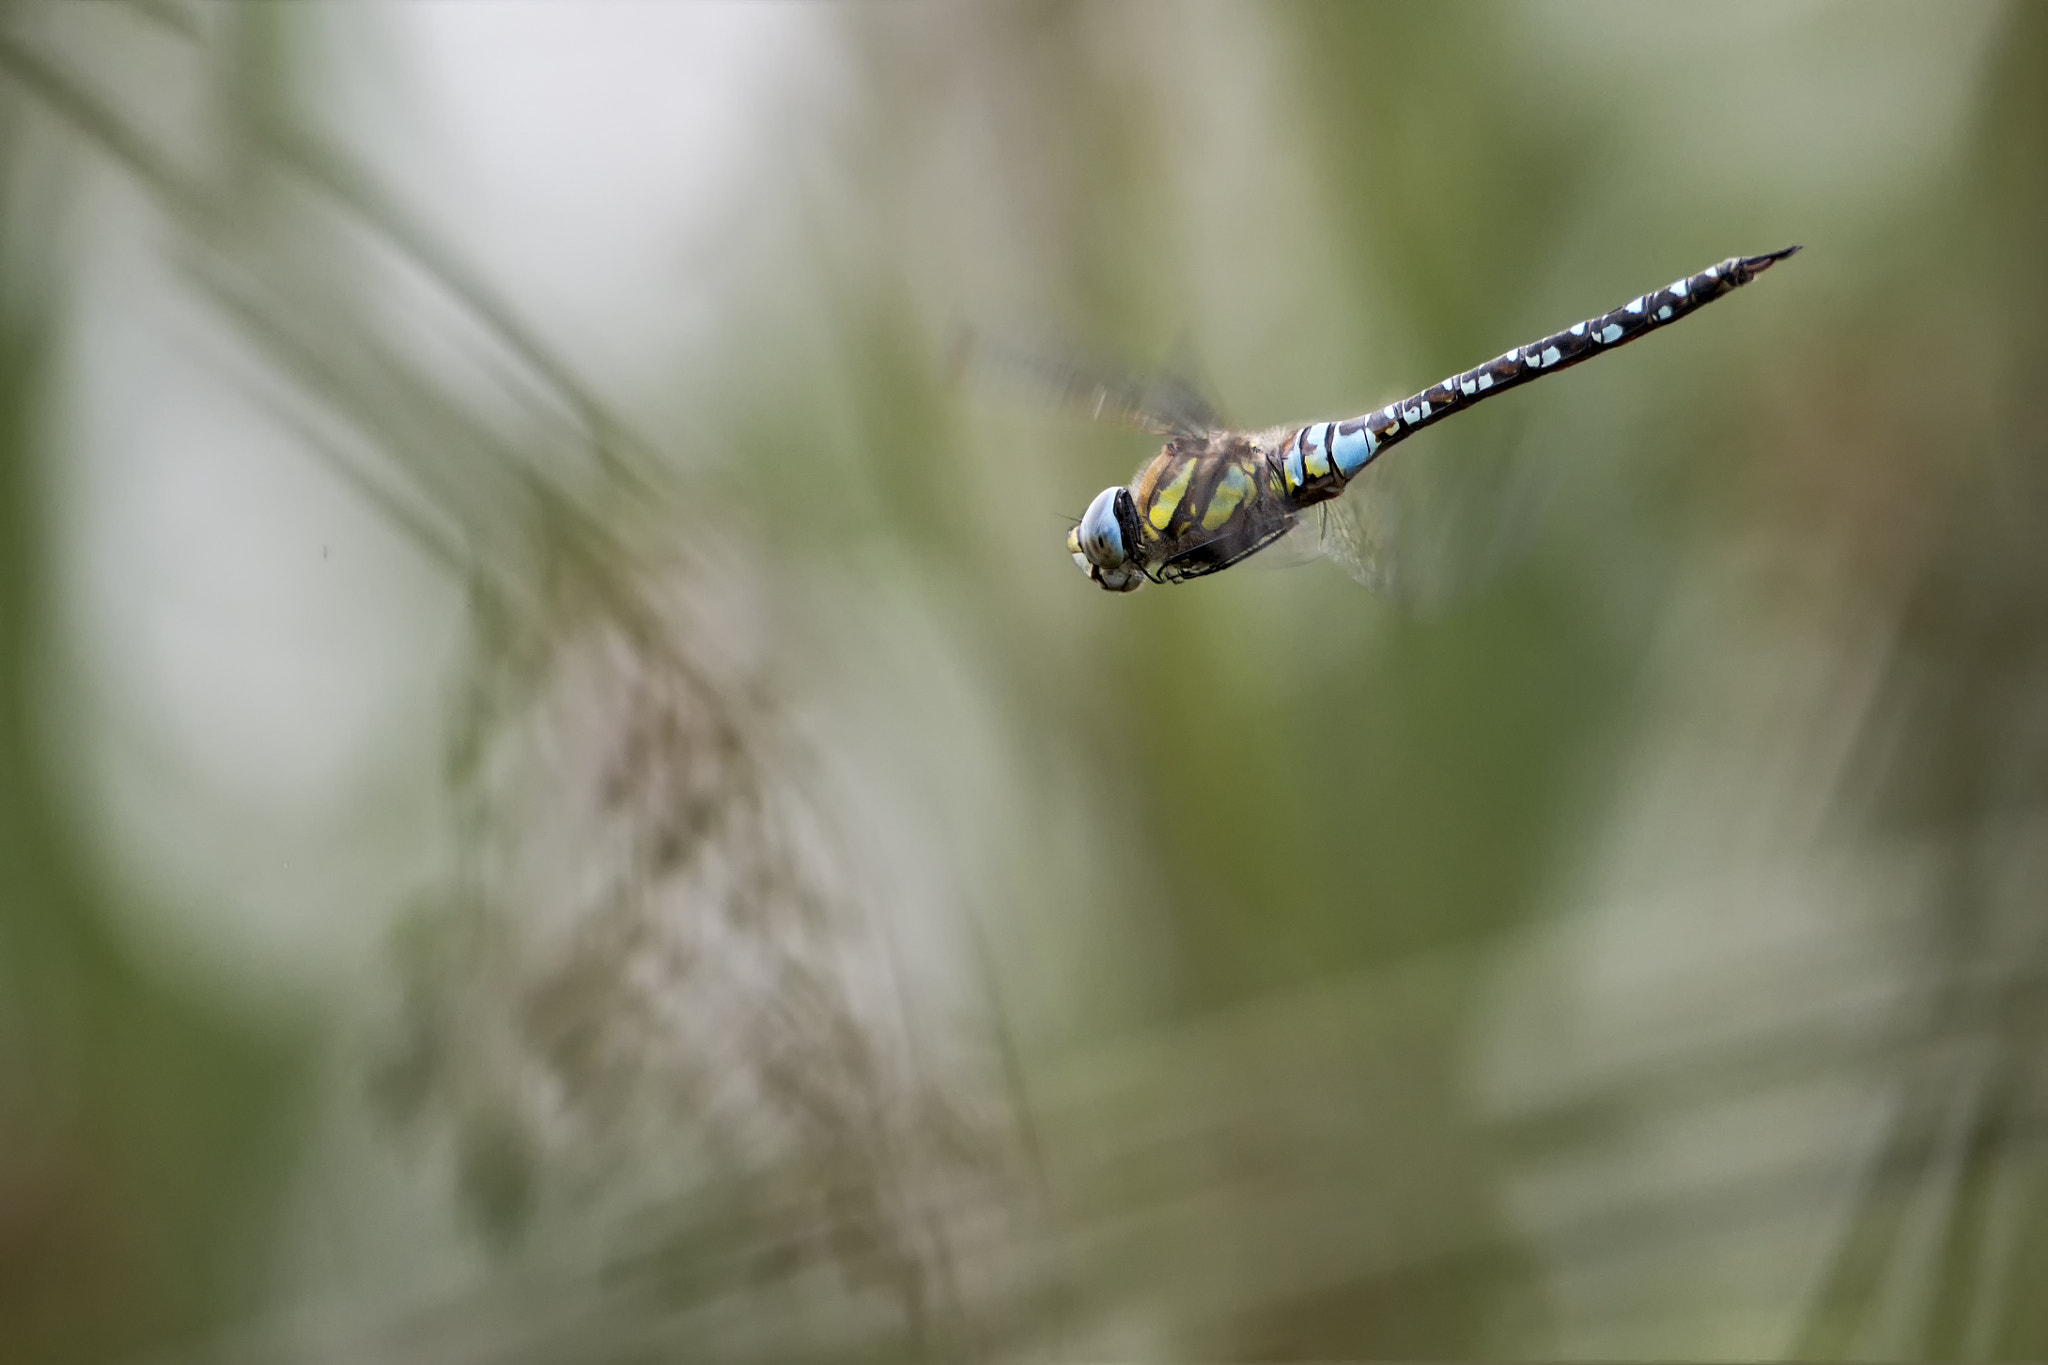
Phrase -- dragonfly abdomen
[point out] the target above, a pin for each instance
(1561, 350)
(1316, 461)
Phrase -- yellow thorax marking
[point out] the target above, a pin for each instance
(1168, 498)
(1231, 491)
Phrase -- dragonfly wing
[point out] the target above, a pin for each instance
(1166, 404)
(1358, 539)
(1179, 403)
(1424, 530)
(1299, 545)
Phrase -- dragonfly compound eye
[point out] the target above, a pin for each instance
(1100, 536)
(1102, 543)
(1102, 539)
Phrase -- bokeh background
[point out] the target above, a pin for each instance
(560, 798)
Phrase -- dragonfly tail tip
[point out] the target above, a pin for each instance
(1759, 264)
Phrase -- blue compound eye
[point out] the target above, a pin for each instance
(1100, 534)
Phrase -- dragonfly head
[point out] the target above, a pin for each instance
(1103, 542)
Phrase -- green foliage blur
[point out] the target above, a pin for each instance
(758, 901)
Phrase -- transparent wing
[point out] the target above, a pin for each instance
(1427, 527)
(1164, 404)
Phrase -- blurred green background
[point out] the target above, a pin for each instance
(562, 799)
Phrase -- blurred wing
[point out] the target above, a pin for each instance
(1165, 405)
(1358, 539)
(1426, 528)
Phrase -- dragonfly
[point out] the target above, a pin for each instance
(1212, 497)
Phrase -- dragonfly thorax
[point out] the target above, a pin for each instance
(1106, 541)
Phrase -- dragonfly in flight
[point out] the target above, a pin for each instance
(1213, 497)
